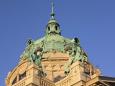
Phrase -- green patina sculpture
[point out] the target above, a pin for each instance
(33, 53)
(37, 56)
(76, 54)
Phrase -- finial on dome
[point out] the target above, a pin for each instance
(52, 12)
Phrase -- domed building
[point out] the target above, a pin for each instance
(54, 60)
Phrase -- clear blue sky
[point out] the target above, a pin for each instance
(93, 21)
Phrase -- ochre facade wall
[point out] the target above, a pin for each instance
(53, 68)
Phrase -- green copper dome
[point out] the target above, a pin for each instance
(53, 41)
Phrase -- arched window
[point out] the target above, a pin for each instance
(56, 27)
(21, 76)
(14, 81)
(48, 28)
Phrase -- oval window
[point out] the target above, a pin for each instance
(56, 27)
(48, 28)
